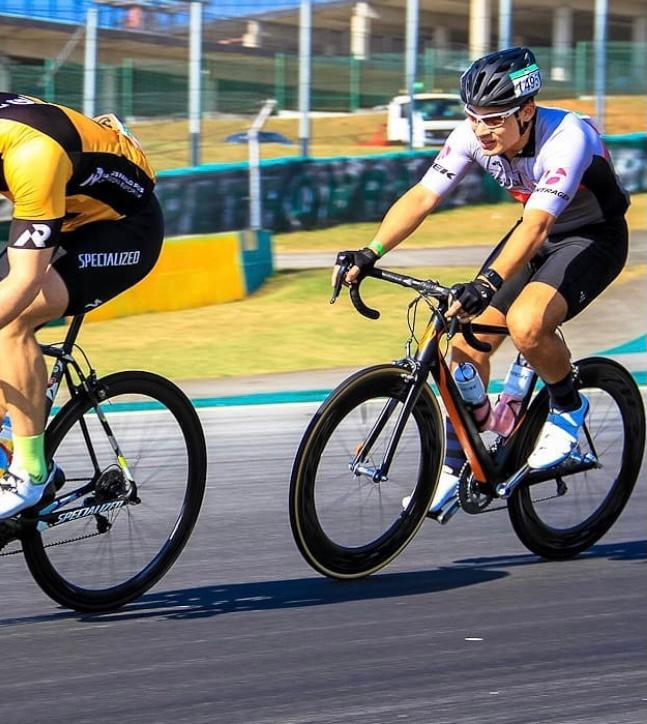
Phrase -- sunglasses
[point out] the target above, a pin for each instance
(490, 120)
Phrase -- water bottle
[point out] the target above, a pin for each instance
(6, 445)
(472, 390)
(517, 382)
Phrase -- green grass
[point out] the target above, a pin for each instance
(484, 224)
(288, 325)
(471, 225)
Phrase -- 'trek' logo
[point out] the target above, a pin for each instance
(443, 170)
(553, 177)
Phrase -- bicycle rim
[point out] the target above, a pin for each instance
(80, 564)
(350, 525)
(559, 520)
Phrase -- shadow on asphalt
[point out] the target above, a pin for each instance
(297, 593)
(207, 601)
(627, 551)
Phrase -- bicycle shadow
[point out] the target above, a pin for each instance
(208, 601)
(216, 600)
(622, 551)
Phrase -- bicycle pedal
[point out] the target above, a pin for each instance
(447, 512)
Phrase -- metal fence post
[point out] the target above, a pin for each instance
(601, 8)
(305, 60)
(195, 78)
(90, 61)
(255, 191)
(411, 59)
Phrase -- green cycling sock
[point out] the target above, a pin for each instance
(29, 454)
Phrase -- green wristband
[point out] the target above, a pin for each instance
(377, 247)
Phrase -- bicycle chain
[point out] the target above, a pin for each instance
(52, 545)
(534, 500)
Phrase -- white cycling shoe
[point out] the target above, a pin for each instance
(446, 490)
(559, 437)
(18, 492)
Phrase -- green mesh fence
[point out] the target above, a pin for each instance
(239, 82)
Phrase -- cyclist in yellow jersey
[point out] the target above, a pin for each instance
(86, 226)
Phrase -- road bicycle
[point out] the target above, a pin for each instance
(133, 454)
(380, 436)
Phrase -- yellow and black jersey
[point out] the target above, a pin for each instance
(62, 170)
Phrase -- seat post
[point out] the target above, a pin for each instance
(73, 333)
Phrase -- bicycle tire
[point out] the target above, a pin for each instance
(312, 477)
(562, 526)
(56, 567)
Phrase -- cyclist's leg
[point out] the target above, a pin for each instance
(494, 315)
(23, 378)
(103, 258)
(24, 374)
(577, 267)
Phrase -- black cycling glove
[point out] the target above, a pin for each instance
(364, 259)
(474, 296)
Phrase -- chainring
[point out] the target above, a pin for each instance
(473, 498)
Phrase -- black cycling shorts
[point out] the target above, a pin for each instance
(104, 258)
(579, 264)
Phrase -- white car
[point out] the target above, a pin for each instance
(435, 116)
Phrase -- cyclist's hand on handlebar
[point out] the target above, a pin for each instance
(469, 299)
(356, 263)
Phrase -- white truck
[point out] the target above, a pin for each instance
(435, 116)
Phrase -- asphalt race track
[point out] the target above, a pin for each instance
(466, 626)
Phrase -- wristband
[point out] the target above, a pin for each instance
(493, 278)
(377, 247)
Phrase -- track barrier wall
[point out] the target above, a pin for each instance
(317, 193)
(195, 271)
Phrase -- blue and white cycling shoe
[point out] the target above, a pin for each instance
(559, 437)
(19, 492)
(446, 491)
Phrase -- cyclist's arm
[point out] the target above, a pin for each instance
(445, 173)
(39, 208)
(406, 215)
(524, 242)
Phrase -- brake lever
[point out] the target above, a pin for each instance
(344, 264)
(453, 327)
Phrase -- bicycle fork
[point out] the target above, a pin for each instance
(380, 474)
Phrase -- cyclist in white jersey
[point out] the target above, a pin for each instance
(569, 245)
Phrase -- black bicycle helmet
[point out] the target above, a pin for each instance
(504, 78)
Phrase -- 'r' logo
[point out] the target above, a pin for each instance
(38, 235)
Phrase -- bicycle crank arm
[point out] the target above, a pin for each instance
(576, 462)
(504, 490)
(375, 474)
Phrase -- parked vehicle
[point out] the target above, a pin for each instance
(438, 114)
